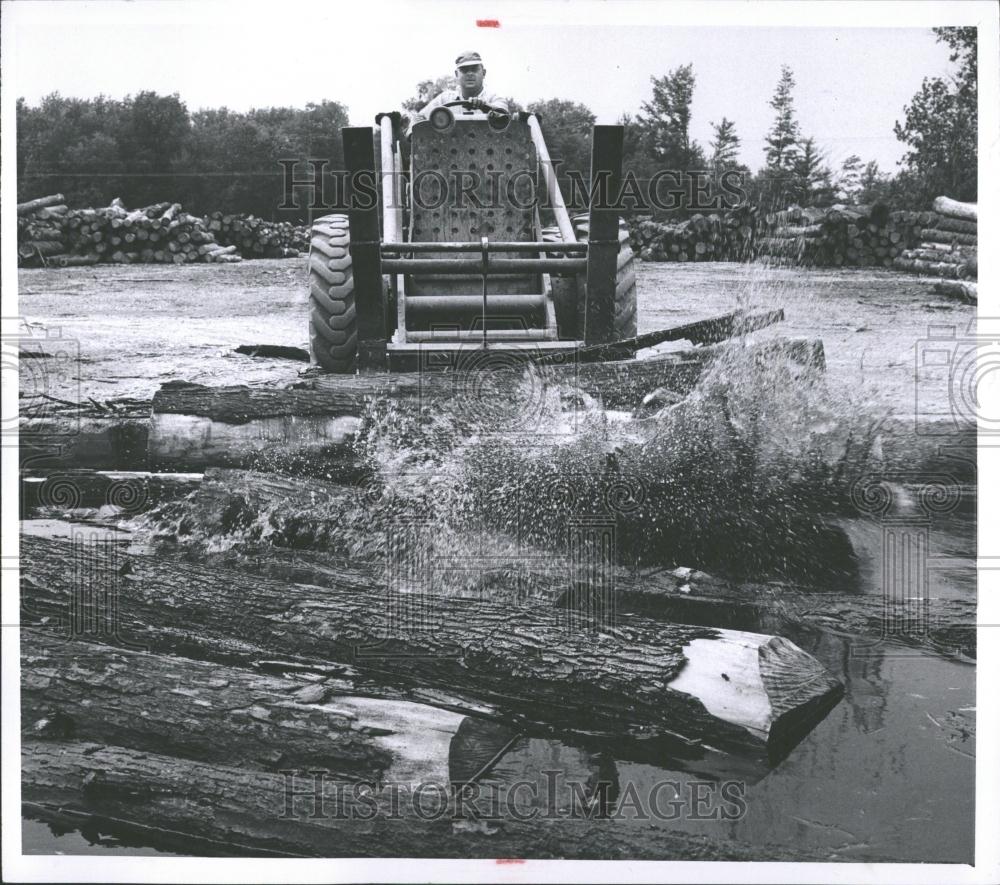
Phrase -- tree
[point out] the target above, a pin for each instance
(666, 121)
(428, 89)
(873, 185)
(811, 177)
(567, 126)
(725, 146)
(940, 124)
(848, 183)
(783, 138)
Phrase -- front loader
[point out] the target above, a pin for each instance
(445, 256)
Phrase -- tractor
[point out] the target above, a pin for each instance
(442, 253)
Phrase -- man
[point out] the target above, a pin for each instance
(470, 73)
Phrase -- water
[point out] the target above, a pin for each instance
(889, 773)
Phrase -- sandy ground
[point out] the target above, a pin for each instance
(114, 331)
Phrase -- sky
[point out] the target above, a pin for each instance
(856, 65)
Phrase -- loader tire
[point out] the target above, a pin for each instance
(333, 324)
(564, 293)
(626, 310)
(569, 294)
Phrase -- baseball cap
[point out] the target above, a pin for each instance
(468, 59)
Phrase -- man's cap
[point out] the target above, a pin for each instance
(468, 59)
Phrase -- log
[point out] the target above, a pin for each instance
(40, 248)
(293, 528)
(640, 676)
(957, 225)
(194, 426)
(74, 260)
(930, 268)
(955, 209)
(39, 203)
(227, 715)
(710, 331)
(215, 810)
(943, 236)
(966, 292)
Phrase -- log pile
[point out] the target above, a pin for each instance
(947, 244)
(726, 236)
(839, 236)
(50, 234)
(256, 238)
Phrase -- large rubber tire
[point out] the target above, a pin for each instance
(570, 295)
(333, 323)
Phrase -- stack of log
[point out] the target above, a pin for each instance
(726, 236)
(852, 236)
(947, 244)
(256, 238)
(51, 234)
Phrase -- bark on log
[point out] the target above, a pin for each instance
(212, 713)
(930, 268)
(195, 808)
(956, 209)
(73, 260)
(966, 292)
(40, 203)
(307, 541)
(657, 678)
(935, 235)
(957, 225)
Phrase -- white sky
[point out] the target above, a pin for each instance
(853, 80)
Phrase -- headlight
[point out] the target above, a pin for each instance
(442, 119)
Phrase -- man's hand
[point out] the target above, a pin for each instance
(478, 104)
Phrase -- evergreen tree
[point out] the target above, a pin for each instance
(725, 146)
(812, 180)
(849, 178)
(783, 138)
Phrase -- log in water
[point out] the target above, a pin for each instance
(748, 692)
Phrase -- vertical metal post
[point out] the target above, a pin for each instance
(485, 243)
(366, 261)
(607, 144)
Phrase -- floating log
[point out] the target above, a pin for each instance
(710, 331)
(227, 715)
(955, 209)
(198, 808)
(40, 203)
(304, 537)
(656, 678)
(194, 426)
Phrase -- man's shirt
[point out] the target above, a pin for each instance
(450, 95)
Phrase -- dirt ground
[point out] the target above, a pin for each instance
(113, 331)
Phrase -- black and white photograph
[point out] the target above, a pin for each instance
(479, 442)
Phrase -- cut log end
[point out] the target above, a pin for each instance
(764, 684)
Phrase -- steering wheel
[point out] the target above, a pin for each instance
(472, 106)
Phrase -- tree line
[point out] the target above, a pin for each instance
(149, 147)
